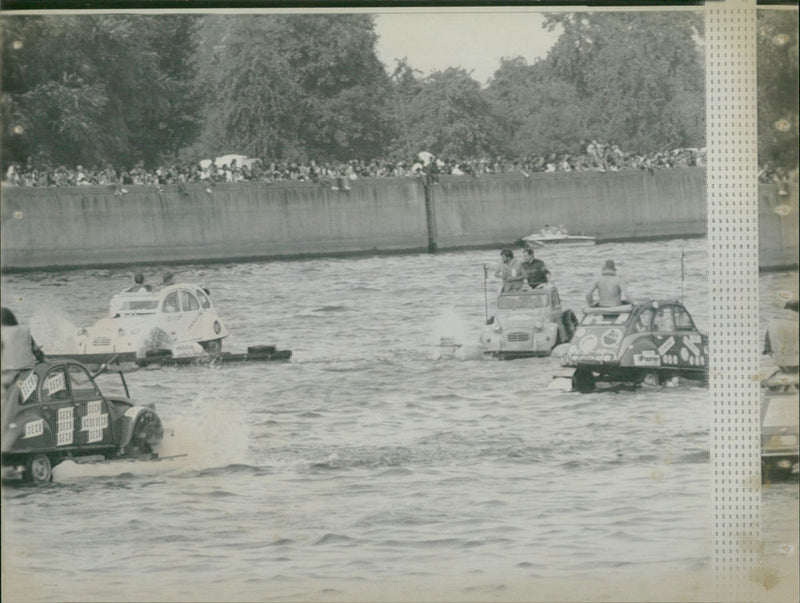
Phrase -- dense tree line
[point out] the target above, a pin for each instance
(128, 89)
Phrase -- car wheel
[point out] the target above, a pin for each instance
(38, 469)
(147, 433)
(214, 346)
(583, 381)
(650, 378)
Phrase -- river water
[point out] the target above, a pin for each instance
(371, 466)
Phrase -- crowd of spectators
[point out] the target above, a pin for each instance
(338, 175)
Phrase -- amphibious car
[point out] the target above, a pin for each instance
(529, 322)
(55, 411)
(645, 343)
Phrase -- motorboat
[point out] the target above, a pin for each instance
(550, 236)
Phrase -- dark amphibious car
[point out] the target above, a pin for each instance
(55, 411)
(645, 343)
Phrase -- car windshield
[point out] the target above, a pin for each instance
(139, 305)
(514, 302)
(615, 318)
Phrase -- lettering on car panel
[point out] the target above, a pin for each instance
(28, 386)
(94, 422)
(65, 426)
(34, 428)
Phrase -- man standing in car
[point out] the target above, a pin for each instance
(610, 288)
(534, 272)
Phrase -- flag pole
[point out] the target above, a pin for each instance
(682, 273)
(485, 294)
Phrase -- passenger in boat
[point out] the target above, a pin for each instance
(510, 271)
(534, 272)
(610, 288)
(139, 285)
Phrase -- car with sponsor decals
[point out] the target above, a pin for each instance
(55, 410)
(527, 322)
(180, 318)
(643, 343)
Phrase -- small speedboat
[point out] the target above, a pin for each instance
(557, 236)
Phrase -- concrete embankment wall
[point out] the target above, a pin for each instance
(91, 226)
(778, 227)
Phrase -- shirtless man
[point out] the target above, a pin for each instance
(610, 288)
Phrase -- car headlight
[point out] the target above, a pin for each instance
(539, 325)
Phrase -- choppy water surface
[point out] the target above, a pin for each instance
(369, 466)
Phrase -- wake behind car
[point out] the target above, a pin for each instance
(528, 322)
(645, 343)
(55, 411)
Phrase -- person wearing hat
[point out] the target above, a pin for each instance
(510, 271)
(610, 288)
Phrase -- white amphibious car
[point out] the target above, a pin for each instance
(179, 318)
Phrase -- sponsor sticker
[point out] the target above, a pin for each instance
(692, 347)
(612, 337)
(646, 358)
(28, 386)
(587, 344)
(55, 383)
(34, 428)
(94, 422)
(664, 347)
(65, 426)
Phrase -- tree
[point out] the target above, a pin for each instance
(777, 88)
(293, 86)
(630, 78)
(95, 89)
(448, 114)
(542, 113)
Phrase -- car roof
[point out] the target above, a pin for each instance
(536, 291)
(638, 306)
(159, 293)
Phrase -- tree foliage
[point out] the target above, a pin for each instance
(777, 88)
(118, 89)
(630, 78)
(96, 89)
(446, 113)
(293, 86)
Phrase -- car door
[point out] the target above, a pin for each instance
(58, 409)
(94, 424)
(689, 342)
(191, 311)
(664, 336)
